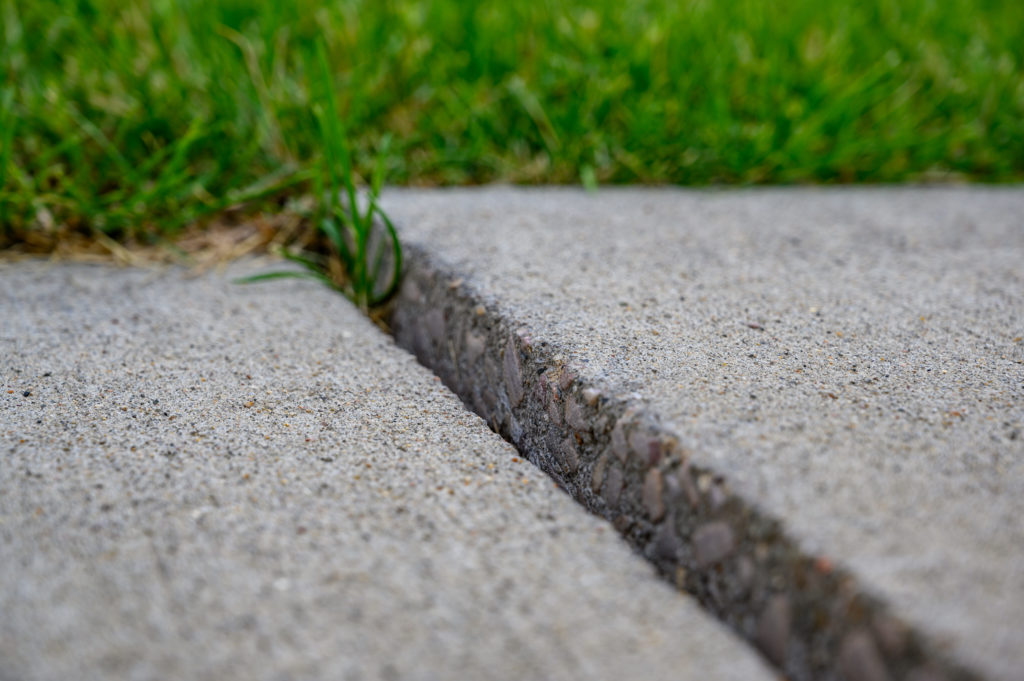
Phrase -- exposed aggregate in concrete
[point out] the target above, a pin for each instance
(503, 285)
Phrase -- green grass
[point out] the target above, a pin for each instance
(364, 261)
(134, 118)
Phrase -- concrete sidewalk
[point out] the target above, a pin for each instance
(806, 406)
(207, 481)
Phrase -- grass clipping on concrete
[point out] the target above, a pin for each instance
(133, 121)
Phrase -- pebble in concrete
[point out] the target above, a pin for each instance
(773, 628)
(712, 543)
(620, 445)
(613, 487)
(597, 475)
(513, 373)
(574, 416)
(570, 457)
(653, 485)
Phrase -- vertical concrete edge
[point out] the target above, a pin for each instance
(808, 616)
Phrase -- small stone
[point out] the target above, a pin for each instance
(570, 458)
(619, 445)
(859, 659)
(773, 627)
(591, 396)
(653, 486)
(597, 476)
(574, 416)
(638, 444)
(684, 483)
(540, 389)
(566, 378)
(613, 487)
(513, 374)
(712, 543)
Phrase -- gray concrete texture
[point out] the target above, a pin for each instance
(844, 368)
(200, 480)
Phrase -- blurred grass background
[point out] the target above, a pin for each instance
(131, 119)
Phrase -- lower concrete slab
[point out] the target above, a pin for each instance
(805, 405)
(207, 481)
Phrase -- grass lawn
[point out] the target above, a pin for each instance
(133, 118)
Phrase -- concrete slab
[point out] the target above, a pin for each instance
(206, 481)
(805, 405)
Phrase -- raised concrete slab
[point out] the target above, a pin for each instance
(207, 481)
(805, 405)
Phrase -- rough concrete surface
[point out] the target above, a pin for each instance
(207, 481)
(843, 367)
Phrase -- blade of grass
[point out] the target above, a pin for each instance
(93, 131)
(329, 225)
(306, 261)
(271, 126)
(338, 156)
(269, 276)
(7, 125)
